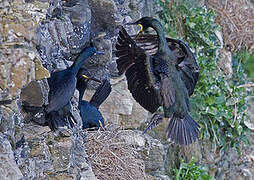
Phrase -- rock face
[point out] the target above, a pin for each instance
(35, 93)
(120, 108)
(39, 37)
(8, 168)
(64, 31)
(41, 154)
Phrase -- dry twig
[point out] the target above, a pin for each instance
(111, 157)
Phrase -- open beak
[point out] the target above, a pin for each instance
(91, 78)
(99, 53)
(140, 30)
(101, 126)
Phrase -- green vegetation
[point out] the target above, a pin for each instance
(248, 59)
(191, 171)
(218, 104)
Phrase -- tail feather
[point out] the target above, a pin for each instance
(192, 125)
(183, 131)
(54, 120)
(101, 94)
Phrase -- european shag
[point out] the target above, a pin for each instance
(62, 85)
(89, 111)
(160, 71)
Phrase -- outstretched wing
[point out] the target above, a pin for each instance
(101, 93)
(137, 65)
(185, 59)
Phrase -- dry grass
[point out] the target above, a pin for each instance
(236, 20)
(111, 157)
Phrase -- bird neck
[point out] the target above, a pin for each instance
(81, 94)
(162, 44)
(79, 61)
(82, 91)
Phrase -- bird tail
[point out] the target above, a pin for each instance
(32, 109)
(54, 120)
(183, 131)
(102, 92)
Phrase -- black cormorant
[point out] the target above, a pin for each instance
(160, 71)
(89, 111)
(62, 85)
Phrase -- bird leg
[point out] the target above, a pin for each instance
(156, 119)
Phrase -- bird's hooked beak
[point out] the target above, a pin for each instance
(140, 30)
(101, 126)
(91, 78)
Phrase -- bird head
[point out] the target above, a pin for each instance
(91, 78)
(144, 23)
(83, 77)
(95, 124)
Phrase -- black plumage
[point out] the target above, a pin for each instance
(62, 85)
(89, 111)
(160, 71)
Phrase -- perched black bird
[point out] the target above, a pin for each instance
(160, 71)
(62, 85)
(89, 111)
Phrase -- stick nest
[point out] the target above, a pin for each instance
(111, 157)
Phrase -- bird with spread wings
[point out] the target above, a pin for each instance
(160, 71)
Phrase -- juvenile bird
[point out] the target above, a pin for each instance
(160, 71)
(89, 111)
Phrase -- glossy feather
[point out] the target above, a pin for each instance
(89, 111)
(164, 71)
(62, 85)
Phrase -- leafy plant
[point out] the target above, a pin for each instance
(248, 62)
(191, 171)
(219, 104)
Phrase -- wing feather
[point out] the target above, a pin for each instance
(136, 64)
(185, 58)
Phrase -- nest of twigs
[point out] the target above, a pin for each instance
(111, 157)
(236, 20)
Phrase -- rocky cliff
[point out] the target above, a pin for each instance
(38, 37)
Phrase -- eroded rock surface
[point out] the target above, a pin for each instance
(39, 37)
(8, 167)
(42, 154)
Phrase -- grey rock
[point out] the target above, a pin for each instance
(120, 108)
(80, 158)
(8, 166)
(105, 16)
(150, 150)
(97, 65)
(35, 93)
(1, 115)
(11, 117)
(65, 32)
(75, 110)
(45, 155)
(33, 98)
